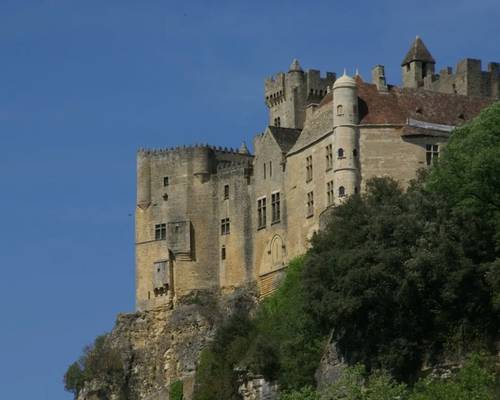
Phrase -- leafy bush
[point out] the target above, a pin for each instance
(216, 375)
(306, 393)
(475, 381)
(393, 277)
(288, 344)
(176, 390)
(98, 362)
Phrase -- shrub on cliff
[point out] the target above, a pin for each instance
(99, 362)
(401, 275)
(288, 344)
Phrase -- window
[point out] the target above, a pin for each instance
(340, 110)
(261, 213)
(277, 122)
(355, 153)
(340, 153)
(264, 170)
(226, 192)
(309, 168)
(165, 181)
(431, 153)
(224, 226)
(310, 204)
(329, 192)
(223, 253)
(275, 203)
(329, 157)
(160, 231)
(270, 168)
(341, 191)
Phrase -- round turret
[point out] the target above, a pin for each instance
(344, 81)
(201, 161)
(345, 119)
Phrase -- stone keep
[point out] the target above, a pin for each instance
(217, 219)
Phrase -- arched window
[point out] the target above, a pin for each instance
(340, 153)
(340, 110)
(341, 191)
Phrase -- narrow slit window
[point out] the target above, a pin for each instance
(261, 213)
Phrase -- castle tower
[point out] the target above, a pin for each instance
(417, 64)
(286, 97)
(345, 120)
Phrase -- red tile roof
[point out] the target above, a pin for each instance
(397, 105)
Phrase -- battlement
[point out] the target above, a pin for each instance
(186, 149)
(468, 79)
(288, 94)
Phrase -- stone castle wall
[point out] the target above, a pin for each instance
(215, 237)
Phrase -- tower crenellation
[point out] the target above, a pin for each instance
(288, 94)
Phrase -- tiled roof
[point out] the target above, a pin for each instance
(395, 107)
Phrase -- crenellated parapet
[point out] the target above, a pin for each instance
(468, 79)
(288, 94)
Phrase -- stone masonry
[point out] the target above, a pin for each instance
(217, 219)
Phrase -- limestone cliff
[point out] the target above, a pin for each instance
(162, 346)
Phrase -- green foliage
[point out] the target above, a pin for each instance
(291, 359)
(216, 376)
(306, 393)
(281, 342)
(98, 362)
(467, 173)
(73, 378)
(394, 276)
(475, 381)
(353, 385)
(176, 390)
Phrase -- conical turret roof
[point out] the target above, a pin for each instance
(418, 52)
(243, 149)
(295, 66)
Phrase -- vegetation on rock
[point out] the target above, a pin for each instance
(100, 363)
(176, 390)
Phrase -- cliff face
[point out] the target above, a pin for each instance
(162, 346)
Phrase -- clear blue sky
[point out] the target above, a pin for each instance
(83, 84)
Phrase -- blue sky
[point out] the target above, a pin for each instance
(83, 84)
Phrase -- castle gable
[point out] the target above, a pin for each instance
(284, 137)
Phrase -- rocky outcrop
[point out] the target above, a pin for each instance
(331, 366)
(161, 346)
(255, 387)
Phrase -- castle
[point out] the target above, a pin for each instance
(211, 218)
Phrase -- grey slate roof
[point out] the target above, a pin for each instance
(418, 52)
(285, 137)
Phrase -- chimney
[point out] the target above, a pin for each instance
(378, 78)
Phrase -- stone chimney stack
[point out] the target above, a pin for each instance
(378, 78)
